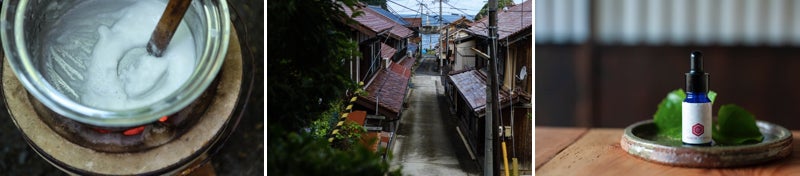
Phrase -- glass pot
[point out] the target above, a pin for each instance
(23, 24)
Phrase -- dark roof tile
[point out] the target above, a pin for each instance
(388, 89)
(387, 51)
(510, 22)
(403, 67)
(414, 22)
(471, 84)
(377, 22)
(394, 17)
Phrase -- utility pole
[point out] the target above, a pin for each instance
(492, 110)
(441, 61)
(447, 49)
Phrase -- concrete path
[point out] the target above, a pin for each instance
(427, 142)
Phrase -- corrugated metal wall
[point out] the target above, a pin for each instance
(669, 22)
(561, 21)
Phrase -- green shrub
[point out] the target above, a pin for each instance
(301, 154)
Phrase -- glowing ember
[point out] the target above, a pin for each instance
(133, 131)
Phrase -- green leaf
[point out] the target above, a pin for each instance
(668, 115)
(712, 95)
(736, 126)
(292, 153)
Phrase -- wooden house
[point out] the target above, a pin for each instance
(384, 67)
(514, 73)
(373, 31)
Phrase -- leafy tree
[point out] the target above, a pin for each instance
(381, 3)
(485, 10)
(323, 126)
(306, 80)
(301, 154)
(305, 59)
(349, 136)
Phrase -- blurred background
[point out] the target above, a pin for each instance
(608, 63)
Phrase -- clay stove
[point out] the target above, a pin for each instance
(175, 144)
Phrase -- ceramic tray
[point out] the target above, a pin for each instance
(640, 140)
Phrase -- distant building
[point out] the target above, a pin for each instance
(430, 23)
(414, 22)
(462, 57)
(455, 44)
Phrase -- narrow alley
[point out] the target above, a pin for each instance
(427, 142)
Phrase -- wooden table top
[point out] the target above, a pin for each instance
(596, 151)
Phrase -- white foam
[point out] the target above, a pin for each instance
(150, 79)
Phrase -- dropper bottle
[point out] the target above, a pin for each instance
(696, 116)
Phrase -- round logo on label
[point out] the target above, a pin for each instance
(697, 129)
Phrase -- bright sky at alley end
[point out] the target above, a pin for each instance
(470, 7)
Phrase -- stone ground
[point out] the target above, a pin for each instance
(241, 155)
(427, 142)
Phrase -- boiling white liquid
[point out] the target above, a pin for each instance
(95, 79)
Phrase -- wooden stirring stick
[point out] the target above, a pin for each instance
(167, 26)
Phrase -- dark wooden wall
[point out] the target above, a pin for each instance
(519, 146)
(615, 86)
(555, 85)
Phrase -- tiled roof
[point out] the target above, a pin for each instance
(396, 18)
(374, 140)
(388, 89)
(462, 20)
(396, 68)
(407, 62)
(461, 34)
(471, 84)
(377, 22)
(414, 22)
(403, 67)
(371, 140)
(387, 51)
(357, 116)
(510, 22)
(370, 20)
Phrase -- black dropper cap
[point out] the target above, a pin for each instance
(696, 79)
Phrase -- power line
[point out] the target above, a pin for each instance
(391, 10)
(463, 13)
(457, 8)
(424, 5)
(404, 6)
(418, 12)
(485, 28)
